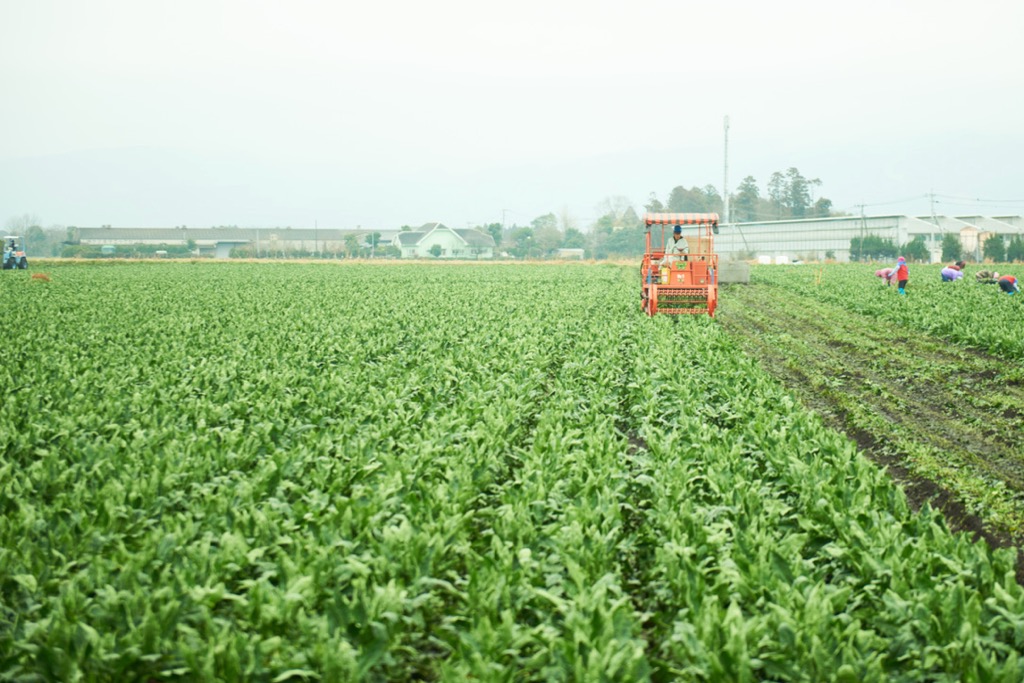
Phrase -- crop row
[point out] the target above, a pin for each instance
(965, 311)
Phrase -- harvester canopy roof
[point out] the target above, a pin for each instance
(681, 219)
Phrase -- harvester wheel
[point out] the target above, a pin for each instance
(23, 263)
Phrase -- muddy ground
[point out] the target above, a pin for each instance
(944, 420)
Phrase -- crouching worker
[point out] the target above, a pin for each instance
(985, 277)
(1008, 283)
(952, 273)
(887, 274)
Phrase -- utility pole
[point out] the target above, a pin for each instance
(935, 219)
(725, 179)
(863, 228)
(503, 211)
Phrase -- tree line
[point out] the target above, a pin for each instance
(619, 230)
(789, 195)
(995, 248)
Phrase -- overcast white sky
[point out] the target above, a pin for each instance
(390, 112)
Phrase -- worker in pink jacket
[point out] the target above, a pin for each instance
(887, 274)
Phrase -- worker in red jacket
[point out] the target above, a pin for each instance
(1007, 283)
(902, 274)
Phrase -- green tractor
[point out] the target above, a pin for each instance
(14, 253)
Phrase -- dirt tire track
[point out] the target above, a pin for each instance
(936, 394)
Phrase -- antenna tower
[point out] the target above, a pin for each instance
(725, 178)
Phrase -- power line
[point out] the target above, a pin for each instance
(983, 201)
(938, 198)
(894, 201)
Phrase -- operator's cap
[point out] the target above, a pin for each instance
(678, 229)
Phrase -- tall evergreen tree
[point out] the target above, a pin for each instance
(995, 248)
(822, 208)
(681, 200)
(871, 247)
(548, 220)
(744, 202)
(952, 249)
(574, 239)
(494, 230)
(916, 251)
(1015, 249)
(653, 205)
(629, 219)
(712, 199)
(797, 193)
(777, 192)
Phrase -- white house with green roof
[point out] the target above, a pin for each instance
(436, 240)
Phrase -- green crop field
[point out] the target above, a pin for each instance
(321, 472)
(931, 385)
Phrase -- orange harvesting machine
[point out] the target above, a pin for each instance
(679, 278)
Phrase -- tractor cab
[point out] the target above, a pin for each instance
(14, 253)
(679, 276)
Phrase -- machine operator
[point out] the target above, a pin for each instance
(679, 247)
